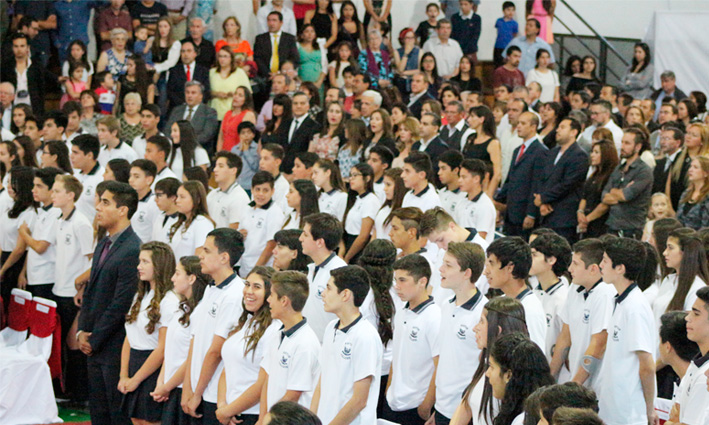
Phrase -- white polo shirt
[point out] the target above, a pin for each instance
(478, 213)
(587, 313)
(365, 206)
(122, 150)
(348, 355)
(457, 347)
(631, 329)
(382, 230)
(217, 314)
(450, 199)
(163, 174)
(140, 142)
(227, 206)
(692, 395)
(145, 216)
(261, 225)
(74, 243)
(416, 334)
(280, 190)
(378, 188)
(535, 317)
(667, 291)
(177, 344)
(161, 227)
(138, 336)
(314, 309)
(424, 200)
(333, 202)
(186, 240)
(292, 364)
(199, 157)
(86, 203)
(40, 267)
(242, 368)
(553, 299)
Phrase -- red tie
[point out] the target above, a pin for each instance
(521, 152)
(189, 75)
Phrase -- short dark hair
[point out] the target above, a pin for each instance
(513, 49)
(163, 144)
(72, 106)
(120, 168)
(591, 251)
(553, 245)
(569, 394)
(291, 284)
(469, 256)
(575, 416)
(152, 108)
(123, 195)
(168, 186)
(26, 21)
(275, 149)
(354, 278)
(248, 125)
(475, 167)
(677, 134)
(451, 158)
(604, 104)
(585, 97)
(627, 252)
(88, 144)
(148, 167)
(385, 154)
(673, 329)
(292, 413)
(416, 265)
(536, 22)
(433, 5)
(574, 124)
(512, 249)
(59, 118)
(307, 158)
(507, 4)
(262, 177)
(419, 161)
(436, 118)
(232, 160)
(47, 175)
(230, 241)
(703, 294)
(326, 227)
(278, 14)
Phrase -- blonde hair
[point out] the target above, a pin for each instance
(704, 135)
(135, 97)
(414, 127)
(670, 211)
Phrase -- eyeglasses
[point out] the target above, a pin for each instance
(353, 175)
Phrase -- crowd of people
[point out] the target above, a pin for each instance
(317, 227)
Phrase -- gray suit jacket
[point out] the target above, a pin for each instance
(204, 121)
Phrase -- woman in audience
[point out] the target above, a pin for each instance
(9, 158)
(349, 28)
(586, 75)
(282, 114)
(634, 115)
(135, 80)
(223, 78)
(399, 112)
(146, 326)
(573, 65)
(408, 134)
(327, 142)
(117, 169)
(501, 316)
(20, 112)
(288, 253)
(430, 69)
(242, 109)
(637, 80)
(551, 114)
(56, 154)
(332, 197)
(547, 78)
(380, 132)
(376, 62)
(166, 53)
(466, 79)
(483, 144)
(660, 233)
(693, 210)
(302, 196)
(232, 38)
(362, 206)
(351, 152)
(90, 112)
(190, 230)
(130, 118)
(433, 106)
(687, 111)
(700, 99)
(394, 191)
(592, 213)
(189, 285)
(77, 53)
(186, 151)
(115, 59)
(380, 11)
(313, 59)
(407, 59)
(25, 151)
(696, 140)
(241, 381)
(449, 93)
(324, 22)
(345, 58)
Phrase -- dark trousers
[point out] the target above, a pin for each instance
(73, 361)
(568, 233)
(9, 279)
(440, 419)
(630, 233)
(42, 291)
(511, 229)
(104, 398)
(497, 57)
(408, 417)
(382, 396)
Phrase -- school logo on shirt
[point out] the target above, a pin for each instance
(213, 309)
(616, 333)
(548, 319)
(461, 334)
(88, 191)
(319, 292)
(586, 315)
(414, 335)
(347, 351)
(259, 223)
(141, 217)
(223, 212)
(285, 360)
(67, 239)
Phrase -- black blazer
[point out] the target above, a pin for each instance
(109, 294)
(287, 50)
(518, 188)
(561, 184)
(415, 108)
(453, 139)
(300, 142)
(177, 80)
(434, 150)
(36, 78)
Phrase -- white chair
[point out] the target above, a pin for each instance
(19, 314)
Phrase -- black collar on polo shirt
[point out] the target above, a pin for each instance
(331, 192)
(69, 216)
(47, 208)
(699, 360)
(419, 308)
(456, 191)
(420, 194)
(348, 327)
(233, 185)
(147, 196)
(472, 234)
(477, 197)
(225, 282)
(553, 288)
(364, 194)
(381, 179)
(265, 206)
(523, 294)
(169, 216)
(471, 303)
(420, 251)
(586, 293)
(292, 330)
(323, 264)
(95, 169)
(161, 170)
(621, 297)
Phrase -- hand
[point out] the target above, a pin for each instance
(25, 229)
(545, 210)
(122, 385)
(244, 232)
(383, 83)
(581, 218)
(431, 420)
(84, 344)
(160, 393)
(610, 199)
(652, 418)
(537, 200)
(583, 227)
(192, 406)
(78, 298)
(222, 416)
(528, 223)
(22, 281)
(131, 385)
(186, 396)
(424, 412)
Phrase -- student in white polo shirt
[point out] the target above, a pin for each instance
(142, 174)
(692, 396)
(291, 364)
(111, 146)
(333, 197)
(241, 383)
(508, 262)
(417, 174)
(84, 158)
(380, 159)
(320, 238)
(157, 151)
(228, 202)
(551, 256)
(585, 316)
(627, 377)
(270, 160)
(362, 207)
(462, 265)
(440, 228)
(149, 120)
(165, 197)
(351, 355)
(448, 173)
(411, 386)
(214, 318)
(189, 232)
(476, 210)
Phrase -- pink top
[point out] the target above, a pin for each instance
(229, 129)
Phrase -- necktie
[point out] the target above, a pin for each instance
(295, 128)
(275, 63)
(104, 252)
(521, 152)
(189, 114)
(189, 74)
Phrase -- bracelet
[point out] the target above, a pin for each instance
(580, 212)
(77, 334)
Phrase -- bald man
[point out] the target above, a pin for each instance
(7, 96)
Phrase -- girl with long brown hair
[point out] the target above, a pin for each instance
(190, 230)
(592, 213)
(332, 197)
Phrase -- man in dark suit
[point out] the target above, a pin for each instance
(419, 93)
(267, 62)
(301, 130)
(185, 71)
(671, 139)
(205, 49)
(203, 117)
(452, 133)
(430, 142)
(559, 188)
(35, 73)
(107, 298)
(516, 196)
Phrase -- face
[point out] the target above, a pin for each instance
(564, 133)
(31, 130)
(184, 202)
(282, 256)
(531, 29)
(698, 323)
(262, 194)
(154, 154)
(428, 128)
(432, 12)
(107, 212)
(693, 137)
(18, 117)
(308, 34)
(196, 28)
(406, 287)
(138, 180)
(668, 143)
(467, 181)
(445, 174)
(576, 102)
(41, 192)
(452, 114)
(254, 293)
(451, 274)
(5, 157)
(579, 271)
(357, 180)
(60, 197)
(79, 159)
(307, 241)
(627, 146)
(293, 197)
(639, 54)
(695, 172)
(596, 155)
(210, 259)
(277, 110)
(20, 48)
(334, 114)
(540, 263)
(76, 52)
(398, 234)
(238, 99)
(376, 163)
(480, 330)
(188, 53)
(666, 114)
(682, 112)
(163, 28)
(367, 108)
(599, 115)
(447, 97)
(300, 105)
(145, 266)
(589, 65)
(376, 123)
(374, 41)
(175, 133)
(411, 177)
(418, 83)
(274, 24)
(278, 86)
(444, 31)
(48, 160)
(389, 186)
(668, 85)
(633, 116)
(148, 121)
(496, 274)
(268, 162)
(182, 281)
(51, 131)
(514, 58)
(163, 201)
(332, 299)
(429, 63)
(610, 274)
(405, 134)
(525, 127)
(193, 95)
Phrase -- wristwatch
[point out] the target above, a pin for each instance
(77, 334)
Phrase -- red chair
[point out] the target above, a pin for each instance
(19, 313)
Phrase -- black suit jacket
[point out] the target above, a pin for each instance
(678, 94)
(287, 50)
(109, 294)
(677, 186)
(207, 55)
(659, 175)
(177, 80)
(434, 150)
(518, 188)
(415, 108)
(204, 121)
(36, 78)
(300, 142)
(561, 185)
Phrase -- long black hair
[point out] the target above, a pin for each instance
(647, 60)
(367, 172)
(11, 151)
(192, 267)
(290, 238)
(377, 259)
(692, 265)
(59, 148)
(284, 101)
(21, 181)
(308, 199)
(187, 145)
(486, 114)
